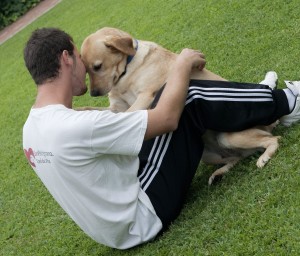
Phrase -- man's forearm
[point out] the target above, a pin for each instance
(172, 100)
(165, 116)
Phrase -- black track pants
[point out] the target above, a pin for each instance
(168, 163)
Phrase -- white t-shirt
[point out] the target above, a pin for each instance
(88, 160)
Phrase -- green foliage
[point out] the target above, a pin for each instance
(251, 212)
(11, 10)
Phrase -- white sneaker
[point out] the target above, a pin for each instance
(271, 79)
(293, 117)
(294, 86)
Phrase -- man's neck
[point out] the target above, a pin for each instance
(52, 93)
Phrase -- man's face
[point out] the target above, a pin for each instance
(79, 72)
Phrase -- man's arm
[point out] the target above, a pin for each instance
(165, 116)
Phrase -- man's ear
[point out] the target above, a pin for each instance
(123, 44)
(66, 57)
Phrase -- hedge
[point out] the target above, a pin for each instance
(11, 10)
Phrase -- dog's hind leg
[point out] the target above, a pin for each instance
(271, 145)
(252, 139)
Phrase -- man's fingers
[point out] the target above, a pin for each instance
(202, 65)
(194, 57)
(202, 55)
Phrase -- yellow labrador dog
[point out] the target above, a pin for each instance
(131, 72)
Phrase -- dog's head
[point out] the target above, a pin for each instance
(104, 55)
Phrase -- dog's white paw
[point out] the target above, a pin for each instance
(261, 162)
(211, 179)
(214, 178)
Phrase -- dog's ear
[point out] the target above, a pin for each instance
(120, 43)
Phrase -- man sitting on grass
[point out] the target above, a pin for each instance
(123, 177)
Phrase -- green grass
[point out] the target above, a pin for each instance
(251, 212)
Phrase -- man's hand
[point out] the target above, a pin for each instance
(191, 57)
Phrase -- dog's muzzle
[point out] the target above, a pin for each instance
(95, 93)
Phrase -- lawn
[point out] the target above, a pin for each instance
(251, 212)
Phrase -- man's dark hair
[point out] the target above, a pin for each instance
(43, 51)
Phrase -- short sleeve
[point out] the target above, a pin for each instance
(119, 133)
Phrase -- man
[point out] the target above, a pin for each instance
(123, 177)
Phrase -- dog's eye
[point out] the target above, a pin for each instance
(97, 67)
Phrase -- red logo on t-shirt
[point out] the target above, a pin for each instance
(29, 155)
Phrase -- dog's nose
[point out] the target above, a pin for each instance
(95, 93)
